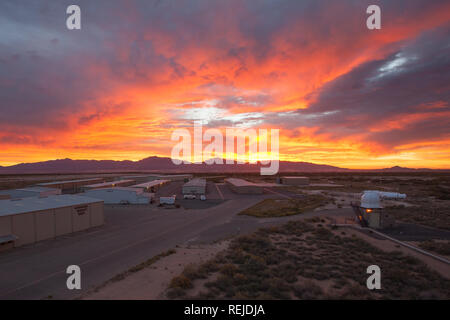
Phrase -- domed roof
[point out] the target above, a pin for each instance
(370, 200)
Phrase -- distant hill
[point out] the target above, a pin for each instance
(152, 164)
(402, 169)
(163, 164)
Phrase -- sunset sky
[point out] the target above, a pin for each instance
(340, 94)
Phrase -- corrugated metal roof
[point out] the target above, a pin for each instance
(106, 184)
(37, 189)
(10, 207)
(67, 181)
(150, 184)
(294, 177)
(114, 189)
(195, 183)
(27, 192)
(16, 193)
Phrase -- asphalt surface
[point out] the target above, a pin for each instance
(131, 235)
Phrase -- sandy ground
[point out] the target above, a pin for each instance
(152, 282)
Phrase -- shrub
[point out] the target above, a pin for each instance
(181, 282)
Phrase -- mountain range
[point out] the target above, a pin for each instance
(163, 164)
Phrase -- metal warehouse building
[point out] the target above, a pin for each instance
(110, 184)
(295, 181)
(120, 195)
(30, 220)
(151, 186)
(171, 177)
(70, 185)
(139, 178)
(29, 192)
(195, 186)
(244, 186)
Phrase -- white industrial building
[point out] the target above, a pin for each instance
(29, 220)
(29, 192)
(70, 185)
(244, 186)
(195, 186)
(167, 200)
(139, 178)
(295, 181)
(110, 184)
(120, 195)
(151, 186)
(171, 177)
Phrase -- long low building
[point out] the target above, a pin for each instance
(244, 186)
(120, 195)
(151, 186)
(171, 177)
(70, 185)
(295, 181)
(195, 186)
(30, 220)
(110, 184)
(29, 192)
(139, 178)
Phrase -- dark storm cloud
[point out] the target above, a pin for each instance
(412, 81)
(45, 70)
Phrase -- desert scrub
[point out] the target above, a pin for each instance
(278, 263)
(181, 282)
(436, 246)
(285, 207)
(429, 214)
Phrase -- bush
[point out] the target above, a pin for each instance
(181, 282)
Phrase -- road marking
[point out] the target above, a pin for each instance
(280, 194)
(218, 190)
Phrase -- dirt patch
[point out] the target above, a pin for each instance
(151, 282)
(285, 207)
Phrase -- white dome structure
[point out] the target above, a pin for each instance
(370, 200)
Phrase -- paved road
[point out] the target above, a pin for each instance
(130, 235)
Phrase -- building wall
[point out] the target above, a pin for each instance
(379, 219)
(24, 228)
(81, 218)
(47, 224)
(5, 226)
(63, 221)
(97, 215)
(194, 190)
(295, 181)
